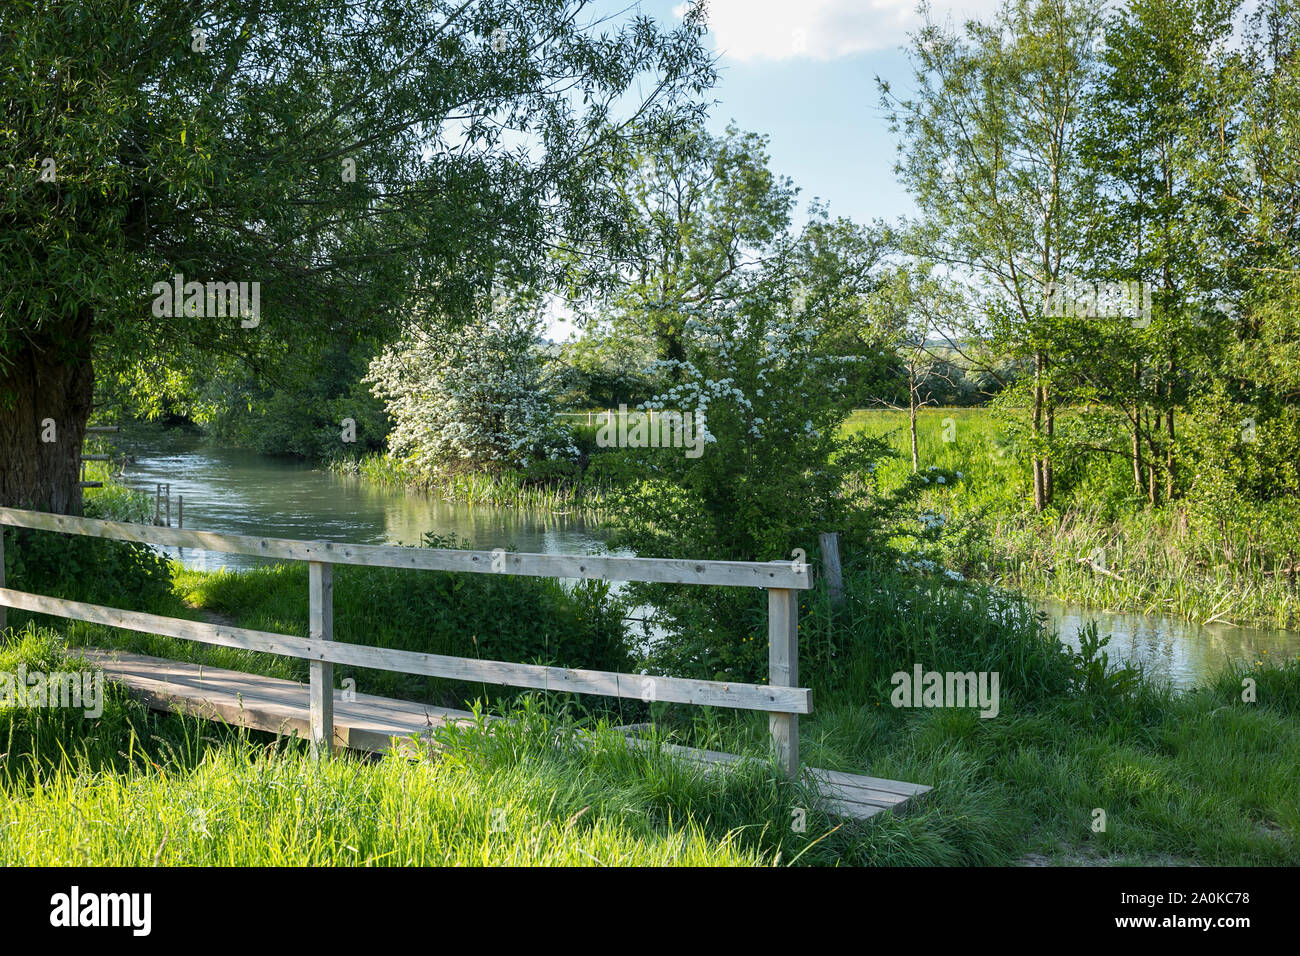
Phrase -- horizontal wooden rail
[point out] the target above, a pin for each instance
(678, 690)
(756, 574)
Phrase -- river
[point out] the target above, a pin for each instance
(245, 493)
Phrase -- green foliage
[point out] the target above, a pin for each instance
(98, 570)
(603, 369)
(1094, 677)
(772, 469)
(695, 209)
(1211, 558)
(299, 409)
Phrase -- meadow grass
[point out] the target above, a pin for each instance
(1198, 778)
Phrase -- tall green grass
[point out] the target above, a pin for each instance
(510, 488)
(1196, 778)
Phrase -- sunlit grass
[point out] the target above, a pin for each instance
(1199, 778)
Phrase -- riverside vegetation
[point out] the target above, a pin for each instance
(1144, 461)
(1096, 546)
(1194, 777)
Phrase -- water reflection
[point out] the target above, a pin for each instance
(246, 493)
(1178, 651)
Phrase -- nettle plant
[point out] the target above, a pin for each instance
(473, 398)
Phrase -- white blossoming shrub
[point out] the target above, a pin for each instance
(471, 398)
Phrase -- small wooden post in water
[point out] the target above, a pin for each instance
(783, 671)
(169, 504)
(830, 546)
(320, 580)
(180, 511)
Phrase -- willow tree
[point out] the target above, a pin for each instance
(341, 158)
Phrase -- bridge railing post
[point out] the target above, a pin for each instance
(783, 671)
(320, 579)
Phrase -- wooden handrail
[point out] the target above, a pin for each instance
(754, 574)
(320, 649)
(783, 580)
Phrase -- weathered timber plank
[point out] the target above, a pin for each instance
(758, 574)
(270, 704)
(846, 795)
(679, 690)
(874, 783)
(320, 587)
(378, 724)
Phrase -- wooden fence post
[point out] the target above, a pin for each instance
(830, 548)
(783, 671)
(320, 580)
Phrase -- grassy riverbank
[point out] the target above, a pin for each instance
(1200, 777)
(557, 490)
(1097, 548)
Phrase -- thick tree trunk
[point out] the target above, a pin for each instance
(46, 393)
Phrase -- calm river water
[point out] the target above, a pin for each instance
(246, 493)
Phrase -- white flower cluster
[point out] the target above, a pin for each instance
(924, 565)
(781, 352)
(473, 395)
(931, 519)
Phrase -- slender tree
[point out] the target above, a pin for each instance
(989, 149)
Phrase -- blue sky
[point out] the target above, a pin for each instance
(803, 72)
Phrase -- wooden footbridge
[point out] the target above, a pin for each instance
(330, 718)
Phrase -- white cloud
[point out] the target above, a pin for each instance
(748, 30)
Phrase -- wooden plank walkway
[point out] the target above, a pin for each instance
(376, 724)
